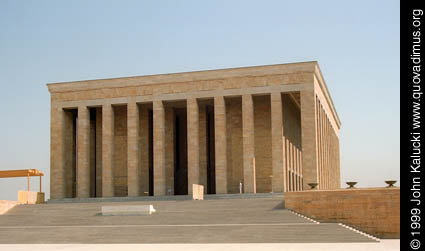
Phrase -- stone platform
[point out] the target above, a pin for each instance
(170, 198)
(243, 220)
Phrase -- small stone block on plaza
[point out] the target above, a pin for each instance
(198, 192)
(129, 210)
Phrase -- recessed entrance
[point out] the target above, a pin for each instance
(180, 150)
(95, 151)
(70, 147)
(210, 149)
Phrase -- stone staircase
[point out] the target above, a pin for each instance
(218, 219)
(171, 198)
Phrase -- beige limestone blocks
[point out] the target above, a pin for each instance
(133, 149)
(220, 145)
(193, 143)
(107, 150)
(274, 128)
(248, 144)
(159, 147)
(278, 147)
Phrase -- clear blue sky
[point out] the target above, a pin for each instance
(355, 42)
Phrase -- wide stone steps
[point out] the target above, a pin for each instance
(171, 198)
(245, 220)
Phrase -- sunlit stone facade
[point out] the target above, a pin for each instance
(270, 128)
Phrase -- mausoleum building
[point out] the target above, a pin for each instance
(257, 129)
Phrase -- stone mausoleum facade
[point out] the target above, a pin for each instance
(270, 128)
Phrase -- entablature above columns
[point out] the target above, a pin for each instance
(159, 89)
(290, 70)
(184, 96)
(255, 80)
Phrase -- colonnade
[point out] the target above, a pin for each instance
(292, 166)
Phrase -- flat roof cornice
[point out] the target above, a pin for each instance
(183, 77)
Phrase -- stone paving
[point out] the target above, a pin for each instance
(249, 220)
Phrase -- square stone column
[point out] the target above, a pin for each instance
(330, 155)
(320, 147)
(220, 145)
(107, 150)
(336, 158)
(203, 155)
(248, 144)
(301, 171)
(308, 137)
(291, 165)
(98, 153)
(169, 125)
(326, 140)
(287, 166)
(278, 146)
(192, 143)
(159, 148)
(133, 156)
(331, 167)
(338, 164)
(83, 152)
(322, 173)
(57, 162)
(298, 160)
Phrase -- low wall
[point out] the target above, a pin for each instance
(6, 205)
(372, 210)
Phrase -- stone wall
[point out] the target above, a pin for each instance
(373, 210)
